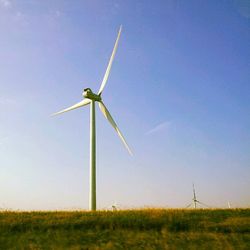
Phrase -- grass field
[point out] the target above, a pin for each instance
(130, 229)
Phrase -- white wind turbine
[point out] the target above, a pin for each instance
(91, 98)
(195, 201)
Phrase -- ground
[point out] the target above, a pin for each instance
(130, 229)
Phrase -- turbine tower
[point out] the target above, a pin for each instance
(91, 98)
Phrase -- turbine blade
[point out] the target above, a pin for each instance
(194, 192)
(188, 205)
(112, 122)
(203, 204)
(105, 78)
(77, 105)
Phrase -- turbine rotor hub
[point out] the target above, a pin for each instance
(87, 93)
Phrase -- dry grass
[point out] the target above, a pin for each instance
(130, 229)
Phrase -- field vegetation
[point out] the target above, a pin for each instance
(129, 229)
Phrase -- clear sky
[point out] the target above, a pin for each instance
(179, 90)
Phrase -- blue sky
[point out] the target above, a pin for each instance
(178, 89)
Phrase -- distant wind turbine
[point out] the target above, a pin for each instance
(91, 98)
(195, 201)
(114, 206)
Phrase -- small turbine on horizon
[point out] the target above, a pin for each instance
(91, 98)
(114, 206)
(195, 201)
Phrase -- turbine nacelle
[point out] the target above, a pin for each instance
(87, 93)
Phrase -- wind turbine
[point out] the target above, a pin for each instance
(91, 98)
(195, 201)
(114, 206)
(194, 198)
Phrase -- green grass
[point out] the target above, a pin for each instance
(130, 229)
